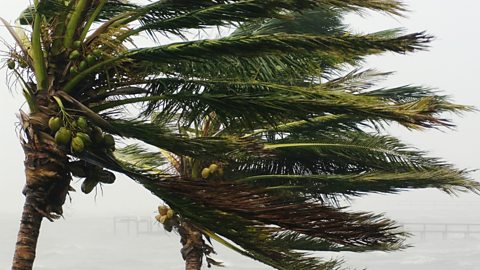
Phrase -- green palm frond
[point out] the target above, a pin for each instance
(335, 152)
(317, 21)
(281, 44)
(316, 186)
(173, 16)
(248, 103)
(203, 147)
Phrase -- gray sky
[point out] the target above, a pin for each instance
(450, 66)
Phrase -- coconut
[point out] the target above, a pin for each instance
(74, 55)
(23, 64)
(106, 177)
(82, 65)
(213, 168)
(11, 64)
(97, 134)
(85, 138)
(162, 219)
(91, 59)
(163, 209)
(205, 173)
(55, 123)
(220, 172)
(88, 185)
(82, 123)
(108, 140)
(73, 70)
(77, 144)
(97, 52)
(76, 44)
(170, 213)
(63, 136)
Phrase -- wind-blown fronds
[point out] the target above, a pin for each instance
(245, 215)
(316, 186)
(174, 16)
(249, 137)
(248, 103)
(281, 44)
(204, 147)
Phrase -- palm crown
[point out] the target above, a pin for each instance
(256, 134)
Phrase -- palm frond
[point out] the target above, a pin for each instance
(318, 21)
(334, 153)
(280, 44)
(253, 102)
(208, 148)
(449, 180)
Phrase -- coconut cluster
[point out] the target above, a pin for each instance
(93, 175)
(13, 63)
(79, 135)
(165, 217)
(212, 171)
(82, 61)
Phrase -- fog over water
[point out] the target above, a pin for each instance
(85, 238)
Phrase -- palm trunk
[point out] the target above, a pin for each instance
(27, 236)
(192, 242)
(47, 183)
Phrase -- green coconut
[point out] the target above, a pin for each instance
(54, 123)
(77, 144)
(73, 70)
(108, 140)
(74, 55)
(91, 59)
(63, 136)
(82, 123)
(97, 134)
(82, 65)
(97, 52)
(23, 64)
(11, 64)
(76, 44)
(88, 185)
(85, 138)
(106, 177)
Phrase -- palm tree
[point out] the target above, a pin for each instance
(251, 138)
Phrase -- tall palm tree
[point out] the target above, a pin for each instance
(263, 130)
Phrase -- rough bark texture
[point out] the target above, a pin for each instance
(192, 242)
(27, 236)
(47, 181)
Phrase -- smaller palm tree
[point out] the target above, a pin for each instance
(251, 138)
